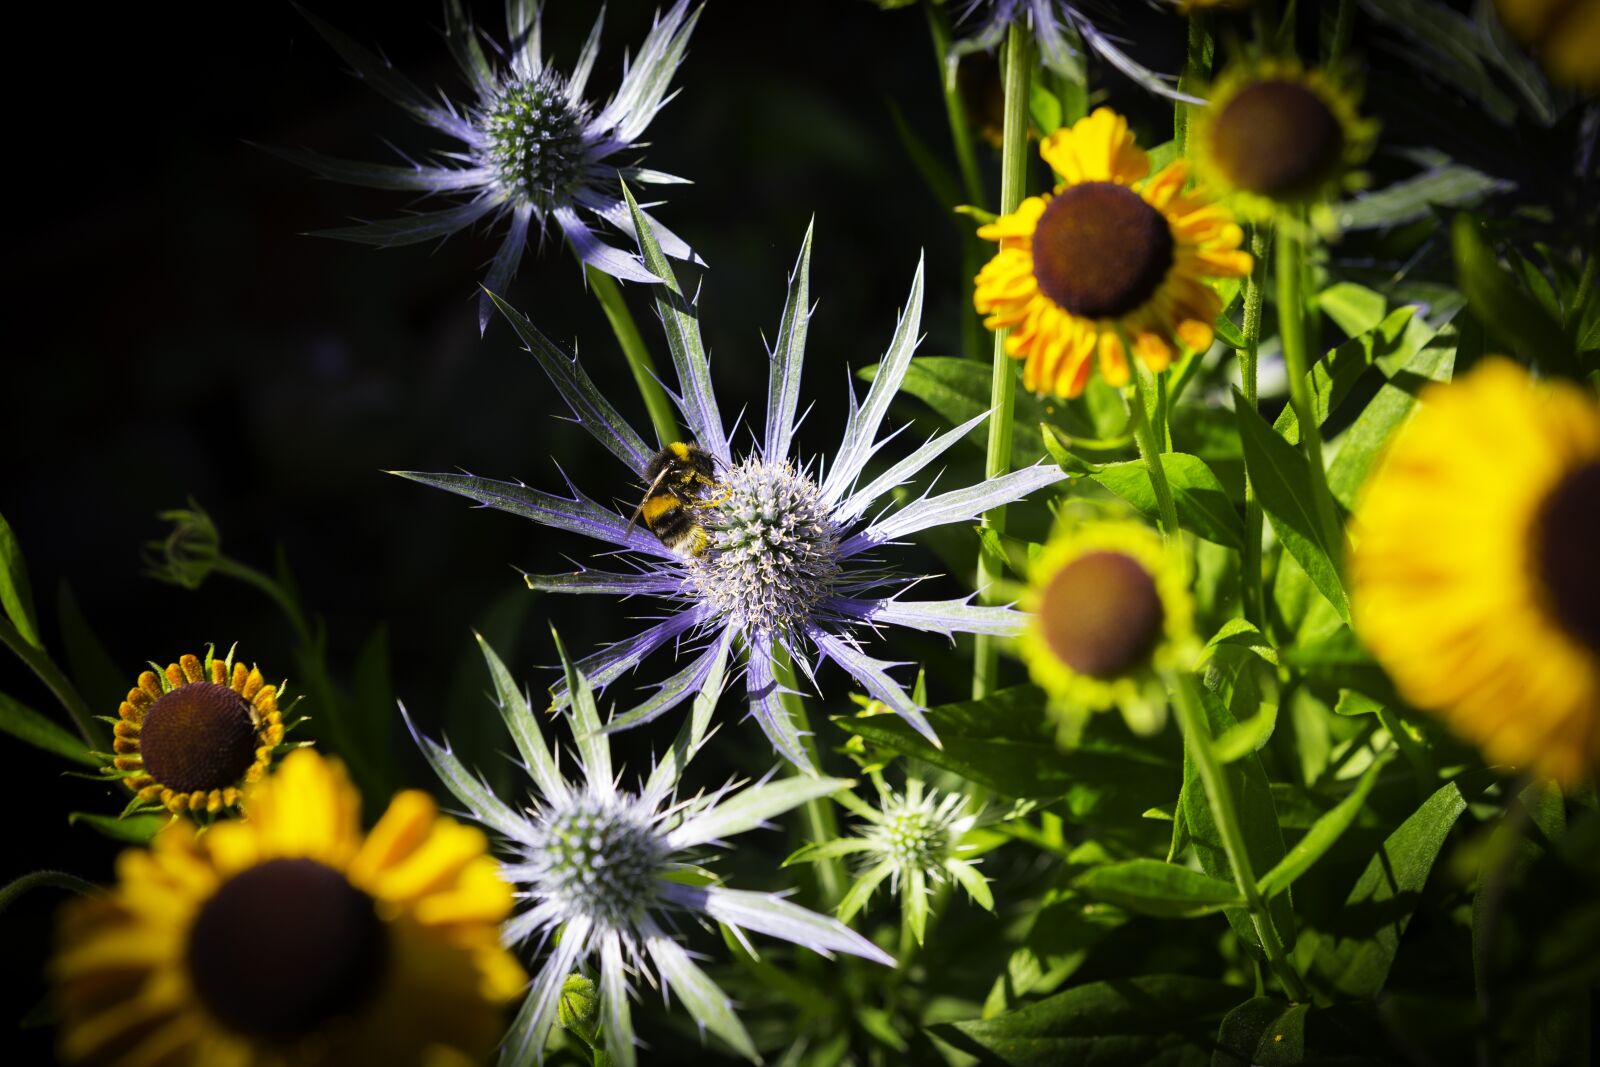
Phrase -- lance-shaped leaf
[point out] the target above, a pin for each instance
(787, 357)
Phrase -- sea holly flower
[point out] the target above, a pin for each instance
(607, 874)
(1113, 258)
(1277, 139)
(915, 841)
(190, 738)
(794, 555)
(1057, 27)
(1474, 578)
(533, 147)
(292, 937)
(1110, 615)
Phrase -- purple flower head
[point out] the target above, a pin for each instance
(532, 147)
(794, 558)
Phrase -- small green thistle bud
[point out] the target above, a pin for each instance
(188, 554)
(579, 1006)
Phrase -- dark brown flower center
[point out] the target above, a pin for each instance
(1568, 553)
(1101, 614)
(1278, 139)
(285, 947)
(1100, 251)
(198, 737)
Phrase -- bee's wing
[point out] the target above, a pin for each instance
(648, 493)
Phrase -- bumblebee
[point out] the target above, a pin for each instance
(678, 475)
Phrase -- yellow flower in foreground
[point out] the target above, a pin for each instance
(1110, 258)
(1110, 611)
(1565, 34)
(1276, 135)
(1476, 577)
(189, 739)
(290, 938)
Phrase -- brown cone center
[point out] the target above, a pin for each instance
(1100, 251)
(285, 947)
(1278, 139)
(1101, 614)
(198, 737)
(1568, 553)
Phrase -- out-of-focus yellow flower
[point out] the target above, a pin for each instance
(1564, 34)
(1110, 611)
(1476, 577)
(292, 938)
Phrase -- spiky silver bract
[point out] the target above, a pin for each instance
(533, 147)
(794, 561)
(607, 873)
(1059, 28)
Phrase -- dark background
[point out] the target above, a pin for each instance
(173, 335)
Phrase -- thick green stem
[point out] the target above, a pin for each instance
(820, 822)
(1292, 331)
(609, 294)
(1219, 797)
(40, 663)
(1150, 451)
(1002, 388)
(1251, 563)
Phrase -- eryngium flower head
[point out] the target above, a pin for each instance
(1059, 29)
(533, 147)
(915, 840)
(791, 558)
(615, 870)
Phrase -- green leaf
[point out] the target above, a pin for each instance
(1150, 1019)
(1258, 821)
(1203, 505)
(1354, 308)
(1323, 833)
(1340, 661)
(131, 829)
(1006, 743)
(372, 705)
(1241, 633)
(934, 174)
(1262, 1032)
(15, 595)
(1361, 444)
(1498, 302)
(1354, 961)
(29, 726)
(958, 389)
(1415, 198)
(1392, 342)
(43, 880)
(1230, 334)
(1151, 887)
(92, 669)
(1243, 738)
(1283, 485)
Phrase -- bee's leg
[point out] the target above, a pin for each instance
(727, 494)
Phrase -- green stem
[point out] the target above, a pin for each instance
(65, 692)
(43, 880)
(609, 294)
(1251, 563)
(1197, 737)
(1344, 24)
(971, 177)
(1196, 73)
(954, 109)
(1292, 331)
(1002, 387)
(243, 572)
(1416, 754)
(818, 816)
(1150, 451)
